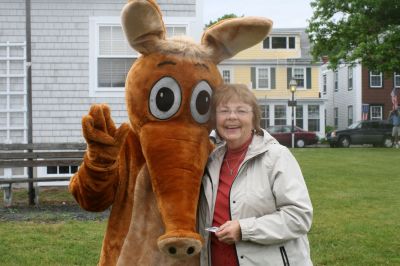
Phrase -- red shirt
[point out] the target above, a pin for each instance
(223, 254)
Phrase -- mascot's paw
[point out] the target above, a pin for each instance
(103, 138)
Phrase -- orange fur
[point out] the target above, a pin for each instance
(174, 151)
(150, 172)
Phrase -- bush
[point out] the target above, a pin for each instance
(329, 129)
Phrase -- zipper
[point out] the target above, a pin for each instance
(230, 189)
(230, 213)
(285, 258)
(211, 213)
(212, 196)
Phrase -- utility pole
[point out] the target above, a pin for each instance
(29, 92)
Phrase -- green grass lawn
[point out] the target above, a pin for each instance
(355, 194)
(61, 243)
(356, 199)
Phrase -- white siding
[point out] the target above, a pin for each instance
(60, 58)
(12, 21)
(342, 98)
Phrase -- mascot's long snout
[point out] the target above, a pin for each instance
(176, 163)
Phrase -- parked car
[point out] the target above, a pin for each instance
(301, 137)
(375, 132)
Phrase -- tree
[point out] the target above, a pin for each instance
(347, 31)
(221, 18)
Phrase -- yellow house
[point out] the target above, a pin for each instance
(267, 69)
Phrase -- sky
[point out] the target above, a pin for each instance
(284, 13)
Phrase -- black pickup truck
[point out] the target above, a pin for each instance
(375, 132)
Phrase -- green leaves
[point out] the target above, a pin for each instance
(347, 31)
(221, 18)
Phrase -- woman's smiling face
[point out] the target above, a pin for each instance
(234, 120)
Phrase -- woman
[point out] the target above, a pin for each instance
(253, 191)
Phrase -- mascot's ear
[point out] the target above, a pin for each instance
(230, 36)
(143, 25)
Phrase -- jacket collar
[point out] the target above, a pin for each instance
(258, 145)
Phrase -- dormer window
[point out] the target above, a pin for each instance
(279, 42)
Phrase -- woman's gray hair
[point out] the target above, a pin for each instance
(240, 91)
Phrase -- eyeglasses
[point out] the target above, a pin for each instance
(237, 112)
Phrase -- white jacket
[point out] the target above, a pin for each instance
(269, 198)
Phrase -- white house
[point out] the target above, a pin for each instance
(78, 56)
(355, 93)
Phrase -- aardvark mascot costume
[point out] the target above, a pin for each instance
(150, 170)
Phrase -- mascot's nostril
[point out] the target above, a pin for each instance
(175, 246)
(172, 250)
(190, 250)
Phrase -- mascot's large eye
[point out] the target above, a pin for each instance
(165, 98)
(200, 103)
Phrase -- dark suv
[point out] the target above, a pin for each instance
(375, 132)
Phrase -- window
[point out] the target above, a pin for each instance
(350, 78)
(114, 58)
(336, 81)
(61, 170)
(263, 78)
(349, 115)
(264, 116)
(375, 79)
(302, 75)
(279, 42)
(336, 117)
(175, 30)
(111, 57)
(299, 116)
(396, 80)
(226, 75)
(375, 112)
(280, 115)
(13, 172)
(299, 75)
(324, 84)
(56, 171)
(313, 118)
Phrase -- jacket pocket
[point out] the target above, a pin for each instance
(284, 256)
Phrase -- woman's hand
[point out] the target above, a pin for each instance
(229, 232)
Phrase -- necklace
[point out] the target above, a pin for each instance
(237, 164)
